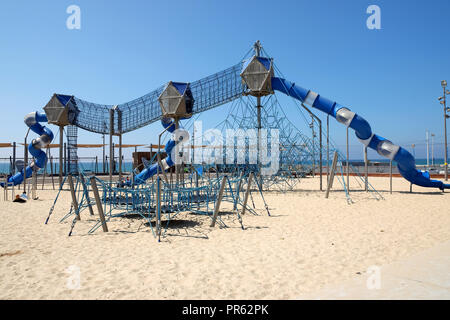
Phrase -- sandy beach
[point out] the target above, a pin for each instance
(307, 243)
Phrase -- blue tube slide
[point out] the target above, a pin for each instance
(45, 138)
(405, 161)
(166, 162)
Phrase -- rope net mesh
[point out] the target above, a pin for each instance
(209, 92)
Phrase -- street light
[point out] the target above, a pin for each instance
(443, 101)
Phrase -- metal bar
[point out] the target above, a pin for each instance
(98, 203)
(332, 173)
(247, 193)
(111, 133)
(366, 170)
(86, 192)
(218, 201)
(348, 164)
(390, 177)
(74, 197)
(328, 147)
(158, 207)
(61, 159)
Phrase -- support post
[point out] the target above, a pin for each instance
(320, 154)
(86, 192)
(98, 203)
(348, 165)
(249, 185)
(111, 133)
(390, 176)
(218, 201)
(61, 157)
(366, 170)
(119, 124)
(333, 171)
(74, 197)
(158, 207)
(328, 147)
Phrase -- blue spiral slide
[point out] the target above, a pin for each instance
(405, 161)
(32, 120)
(167, 162)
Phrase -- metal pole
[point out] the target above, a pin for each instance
(98, 202)
(249, 185)
(74, 197)
(103, 158)
(120, 157)
(333, 170)
(158, 207)
(25, 164)
(65, 159)
(119, 120)
(366, 170)
(257, 47)
(390, 177)
(14, 159)
(111, 133)
(61, 157)
(328, 147)
(445, 134)
(218, 201)
(428, 150)
(320, 153)
(348, 165)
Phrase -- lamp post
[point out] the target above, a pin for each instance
(443, 101)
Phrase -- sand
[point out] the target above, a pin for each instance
(308, 242)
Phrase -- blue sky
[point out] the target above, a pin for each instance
(128, 48)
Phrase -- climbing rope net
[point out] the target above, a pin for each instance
(209, 92)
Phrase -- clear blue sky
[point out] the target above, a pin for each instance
(128, 48)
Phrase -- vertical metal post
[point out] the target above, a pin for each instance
(14, 159)
(313, 147)
(111, 150)
(320, 154)
(257, 48)
(218, 201)
(366, 170)
(65, 159)
(119, 119)
(158, 207)
(98, 202)
(61, 157)
(348, 164)
(249, 185)
(332, 173)
(390, 176)
(445, 131)
(25, 164)
(86, 191)
(328, 147)
(74, 197)
(103, 156)
(428, 150)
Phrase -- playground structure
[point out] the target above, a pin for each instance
(254, 78)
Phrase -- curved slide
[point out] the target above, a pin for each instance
(167, 162)
(45, 138)
(405, 161)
